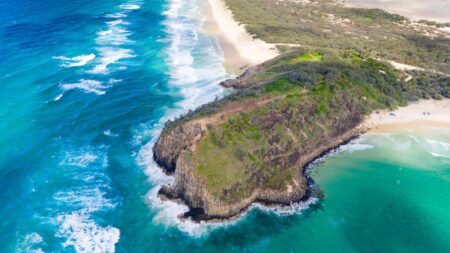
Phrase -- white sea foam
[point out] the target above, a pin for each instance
(76, 61)
(116, 15)
(110, 55)
(195, 78)
(114, 36)
(110, 133)
(154, 173)
(80, 160)
(85, 157)
(439, 155)
(58, 97)
(169, 213)
(129, 7)
(354, 146)
(110, 39)
(85, 194)
(90, 198)
(88, 86)
(113, 81)
(30, 243)
(104, 33)
(441, 144)
(294, 208)
(86, 236)
(116, 22)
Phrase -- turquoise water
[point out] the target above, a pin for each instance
(85, 89)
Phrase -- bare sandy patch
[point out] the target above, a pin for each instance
(420, 115)
(240, 48)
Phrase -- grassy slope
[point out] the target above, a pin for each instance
(315, 92)
(322, 25)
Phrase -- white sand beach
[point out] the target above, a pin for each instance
(240, 48)
(420, 115)
(435, 10)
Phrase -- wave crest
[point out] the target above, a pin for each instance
(110, 55)
(76, 61)
(88, 86)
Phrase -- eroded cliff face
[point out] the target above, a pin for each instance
(172, 142)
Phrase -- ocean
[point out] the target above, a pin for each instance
(86, 87)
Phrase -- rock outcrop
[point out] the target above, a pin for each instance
(244, 80)
(169, 146)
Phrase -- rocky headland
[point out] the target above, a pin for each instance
(252, 145)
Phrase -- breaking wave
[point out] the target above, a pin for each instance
(88, 86)
(110, 55)
(76, 61)
(129, 7)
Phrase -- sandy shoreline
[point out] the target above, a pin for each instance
(239, 47)
(419, 116)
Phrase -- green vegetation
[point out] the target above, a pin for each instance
(323, 24)
(314, 101)
(308, 56)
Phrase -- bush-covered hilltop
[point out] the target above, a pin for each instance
(251, 145)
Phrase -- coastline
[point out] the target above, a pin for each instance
(419, 116)
(240, 49)
(311, 196)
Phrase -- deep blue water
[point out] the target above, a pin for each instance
(84, 85)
